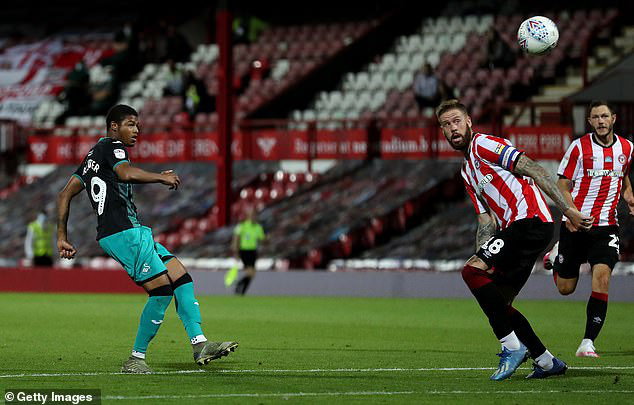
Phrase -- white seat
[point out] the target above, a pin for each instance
(388, 62)
(72, 121)
(309, 115)
(457, 42)
(363, 100)
(376, 81)
(433, 58)
(417, 60)
(485, 23)
(362, 81)
(455, 24)
(402, 62)
(296, 115)
(349, 99)
(85, 121)
(470, 22)
(378, 99)
(391, 80)
(405, 80)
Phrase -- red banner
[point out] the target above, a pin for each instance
(395, 143)
(544, 143)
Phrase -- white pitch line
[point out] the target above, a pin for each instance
(533, 392)
(261, 395)
(362, 393)
(300, 371)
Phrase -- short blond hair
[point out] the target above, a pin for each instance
(452, 104)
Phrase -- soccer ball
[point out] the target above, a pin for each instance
(537, 35)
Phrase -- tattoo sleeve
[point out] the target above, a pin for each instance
(486, 229)
(527, 167)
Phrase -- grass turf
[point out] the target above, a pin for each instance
(327, 349)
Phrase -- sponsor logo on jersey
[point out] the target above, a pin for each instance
(608, 159)
(604, 173)
(119, 153)
(486, 180)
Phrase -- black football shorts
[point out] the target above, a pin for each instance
(512, 252)
(600, 245)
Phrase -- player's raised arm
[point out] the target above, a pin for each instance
(130, 174)
(526, 166)
(72, 188)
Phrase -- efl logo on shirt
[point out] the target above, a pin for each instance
(119, 153)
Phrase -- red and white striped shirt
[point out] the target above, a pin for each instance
(597, 174)
(490, 182)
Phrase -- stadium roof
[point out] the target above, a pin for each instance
(614, 85)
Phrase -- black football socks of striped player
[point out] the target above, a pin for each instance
(490, 298)
(595, 314)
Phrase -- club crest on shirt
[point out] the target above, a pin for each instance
(621, 159)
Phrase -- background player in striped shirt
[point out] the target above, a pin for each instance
(592, 175)
(514, 227)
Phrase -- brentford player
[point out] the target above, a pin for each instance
(592, 175)
(514, 227)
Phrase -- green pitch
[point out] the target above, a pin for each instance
(307, 350)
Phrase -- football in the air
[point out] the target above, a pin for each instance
(537, 35)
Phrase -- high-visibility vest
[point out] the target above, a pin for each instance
(42, 238)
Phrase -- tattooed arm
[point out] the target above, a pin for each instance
(525, 166)
(486, 229)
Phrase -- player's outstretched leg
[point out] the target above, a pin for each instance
(204, 352)
(493, 304)
(151, 320)
(189, 312)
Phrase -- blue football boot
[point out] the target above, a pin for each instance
(559, 368)
(510, 360)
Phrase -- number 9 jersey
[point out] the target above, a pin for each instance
(110, 198)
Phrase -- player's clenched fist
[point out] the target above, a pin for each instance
(66, 249)
(170, 179)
